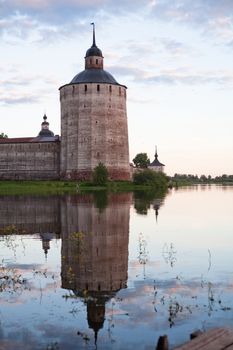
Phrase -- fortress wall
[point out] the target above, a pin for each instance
(30, 214)
(30, 161)
(94, 125)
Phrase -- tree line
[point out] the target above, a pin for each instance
(189, 178)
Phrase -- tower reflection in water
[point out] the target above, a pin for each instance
(95, 236)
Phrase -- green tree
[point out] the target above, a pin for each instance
(100, 199)
(3, 136)
(141, 160)
(151, 178)
(203, 178)
(100, 175)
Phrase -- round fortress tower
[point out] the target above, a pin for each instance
(94, 122)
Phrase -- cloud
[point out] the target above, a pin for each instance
(63, 11)
(140, 100)
(19, 88)
(127, 71)
(69, 5)
(158, 44)
(14, 96)
(23, 267)
(52, 18)
(14, 81)
(27, 27)
(173, 47)
(46, 335)
(198, 12)
(20, 79)
(14, 99)
(210, 16)
(196, 78)
(16, 25)
(140, 48)
(176, 76)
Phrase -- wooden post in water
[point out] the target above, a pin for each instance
(162, 343)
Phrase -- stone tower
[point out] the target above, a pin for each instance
(94, 122)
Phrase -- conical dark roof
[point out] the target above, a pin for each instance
(94, 76)
(156, 162)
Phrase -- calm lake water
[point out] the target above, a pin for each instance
(116, 271)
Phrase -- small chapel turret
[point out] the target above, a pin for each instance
(45, 128)
(156, 165)
(94, 121)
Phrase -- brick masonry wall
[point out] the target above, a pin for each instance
(94, 129)
(30, 161)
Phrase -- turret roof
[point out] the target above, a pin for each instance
(156, 162)
(45, 132)
(92, 75)
(45, 135)
(96, 74)
(94, 50)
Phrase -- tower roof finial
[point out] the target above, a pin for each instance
(93, 25)
(94, 50)
(156, 153)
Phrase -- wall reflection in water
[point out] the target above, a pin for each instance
(95, 236)
(187, 284)
(95, 250)
(30, 214)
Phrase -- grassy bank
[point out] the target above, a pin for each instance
(113, 186)
(36, 187)
(62, 187)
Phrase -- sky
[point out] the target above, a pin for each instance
(175, 57)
